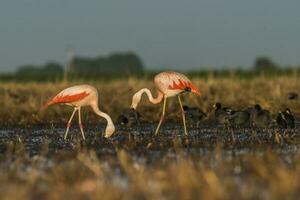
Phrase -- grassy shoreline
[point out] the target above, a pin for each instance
(20, 103)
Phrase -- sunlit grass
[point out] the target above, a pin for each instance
(21, 102)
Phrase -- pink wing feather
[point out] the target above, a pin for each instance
(71, 94)
(178, 81)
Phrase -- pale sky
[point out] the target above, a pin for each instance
(166, 34)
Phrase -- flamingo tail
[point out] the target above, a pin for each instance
(47, 104)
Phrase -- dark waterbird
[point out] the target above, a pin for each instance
(222, 113)
(285, 119)
(261, 118)
(239, 118)
(251, 111)
(194, 115)
(293, 96)
(129, 117)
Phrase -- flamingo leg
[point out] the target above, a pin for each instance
(69, 123)
(183, 115)
(162, 115)
(80, 124)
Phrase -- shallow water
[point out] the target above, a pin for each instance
(141, 142)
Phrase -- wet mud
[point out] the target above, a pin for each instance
(140, 141)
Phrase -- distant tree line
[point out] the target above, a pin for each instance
(264, 63)
(115, 64)
(128, 64)
(49, 71)
(118, 63)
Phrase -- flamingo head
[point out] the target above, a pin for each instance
(110, 129)
(136, 99)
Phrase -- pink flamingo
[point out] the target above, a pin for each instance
(168, 84)
(78, 96)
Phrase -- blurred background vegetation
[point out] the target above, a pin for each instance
(128, 64)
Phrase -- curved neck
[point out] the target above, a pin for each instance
(137, 97)
(110, 128)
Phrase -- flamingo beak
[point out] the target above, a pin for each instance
(107, 135)
(109, 131)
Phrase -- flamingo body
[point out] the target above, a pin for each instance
(173, 83)
(78, 96)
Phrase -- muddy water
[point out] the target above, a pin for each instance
(141, 142)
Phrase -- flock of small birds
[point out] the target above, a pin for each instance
(255, 116)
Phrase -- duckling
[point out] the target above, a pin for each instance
(194, 115)
(261, 118)
(239, 118)
(129, 117)
(285, 119)
(222, 114)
